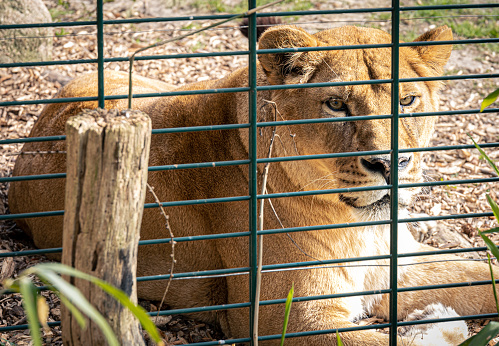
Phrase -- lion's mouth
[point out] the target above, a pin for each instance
(382, 203)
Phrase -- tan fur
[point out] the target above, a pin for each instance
(229, 108)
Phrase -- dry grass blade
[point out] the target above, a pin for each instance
(167, 224)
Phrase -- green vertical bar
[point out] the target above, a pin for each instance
(100, 53)
(394, 171)
(253, 173)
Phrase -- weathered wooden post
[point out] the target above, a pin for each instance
(107, 158)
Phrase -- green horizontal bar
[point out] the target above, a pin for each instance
(47, 63)
(324, 331)
(322, 48)
(47, 25)
(435, 287)
(222, 342)
(32, 139)
(443, 252)
(325, 296)
(320, 85)
(444, 78)
(26, 326)
(451, 182)
(322, 12)
(200, 128)
(272, 267)
(243, 270)
(322, 227)
(196, 165)
(200, 309)
(121, 59)
(30, 252)
(323, 192)
(462, 111)
(197, 201)
(322, 120)
(30, 215)
(448, 319)
(450, 147)
(119, 97)
(194, 238)
(322, 156)
(447, 7)
(45, 101)
(33, 177)
(446, 217)
(453, 42)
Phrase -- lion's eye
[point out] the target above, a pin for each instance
(407, 101)
(336, 105)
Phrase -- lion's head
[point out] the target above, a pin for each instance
(353, 100)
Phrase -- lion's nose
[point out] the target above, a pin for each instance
(382, 165)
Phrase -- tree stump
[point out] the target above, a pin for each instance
(107, 159)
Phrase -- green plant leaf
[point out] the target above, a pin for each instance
(338, 339)
(484, 336)
(77, 298)
(491, 98)
(492, 230)
(493, 205)
(29, 294)
(491, 163)
(287, 310)
(493, 282)
(490, 245)
(118, 294)
(82, 322)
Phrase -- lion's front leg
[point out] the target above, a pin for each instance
(435, 270)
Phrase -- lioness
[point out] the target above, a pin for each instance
(302, 175)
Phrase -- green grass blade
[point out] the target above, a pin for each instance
(118, 294)
(490, 99)
(77, 298)
(29, 293)
(493, 205)
(74, 311)
(491, 163)
(493, 282)
(287, 310)
(492, 230)
(338, 339)
(484, 336)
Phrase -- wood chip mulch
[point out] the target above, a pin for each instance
(29, 83)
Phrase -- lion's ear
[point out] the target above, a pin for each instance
(292, 67)
(435, 56)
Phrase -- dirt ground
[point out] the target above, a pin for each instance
(33, 83)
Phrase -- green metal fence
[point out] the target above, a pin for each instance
(252, 161)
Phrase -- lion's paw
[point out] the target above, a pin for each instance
(437, 334)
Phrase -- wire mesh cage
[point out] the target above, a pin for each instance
(103, 41)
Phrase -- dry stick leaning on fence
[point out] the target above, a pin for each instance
(260, 238)
(132, 58)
